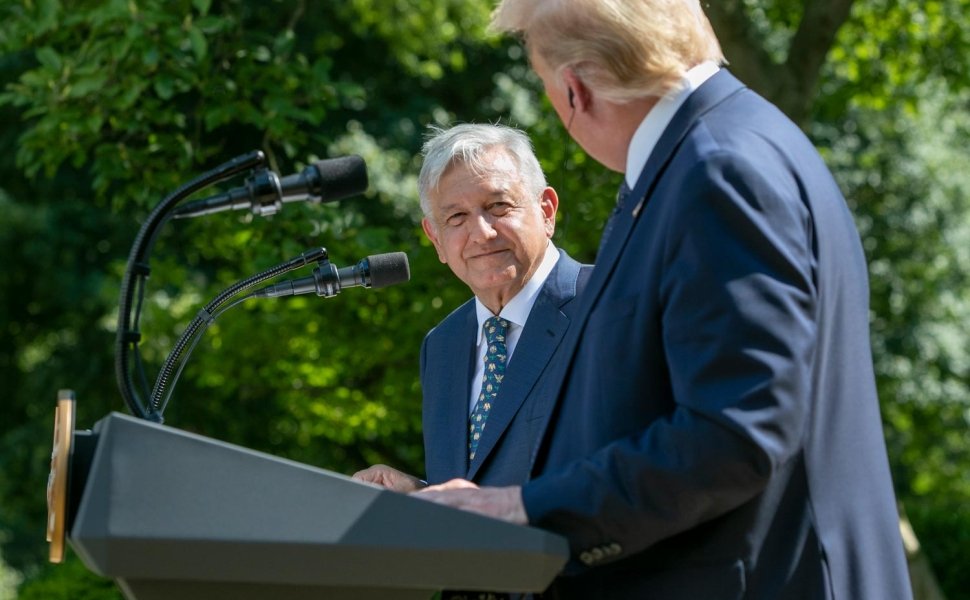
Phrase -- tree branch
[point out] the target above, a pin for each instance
(816, 33)
(745, 52)
(792, 85)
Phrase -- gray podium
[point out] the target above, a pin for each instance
(170, 514)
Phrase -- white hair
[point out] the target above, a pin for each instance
(468, 144)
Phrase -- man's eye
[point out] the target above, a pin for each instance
(499, 208)
(455, 219)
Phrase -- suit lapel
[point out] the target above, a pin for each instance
(543, 333)
(449, 434)
(714, 91)
(711, 93)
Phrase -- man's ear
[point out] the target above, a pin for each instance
(549, 204)
(576, 90)
(431, 232)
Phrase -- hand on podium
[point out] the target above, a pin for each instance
(503, 503)
(390, 478)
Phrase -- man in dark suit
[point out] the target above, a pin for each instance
(717, 430)
(490, 216)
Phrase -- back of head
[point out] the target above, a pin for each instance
(470, 144)
(622, 49)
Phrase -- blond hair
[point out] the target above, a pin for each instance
(623, 49)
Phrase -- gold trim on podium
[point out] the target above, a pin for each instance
(57, 481)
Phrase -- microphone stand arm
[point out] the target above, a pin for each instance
(208, 314)
(137, 271)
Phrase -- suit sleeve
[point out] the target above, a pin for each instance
(737, 304)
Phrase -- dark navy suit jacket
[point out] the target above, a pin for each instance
(717, 433)
(511, 434)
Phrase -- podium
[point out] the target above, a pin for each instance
(170, 514)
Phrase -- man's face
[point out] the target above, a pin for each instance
(588, 119)
(488, 229)
(556, 92)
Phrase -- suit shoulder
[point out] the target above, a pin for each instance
(569, 277)
(453, 323)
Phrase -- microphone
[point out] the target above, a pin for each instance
(377, 271)
(265, 191)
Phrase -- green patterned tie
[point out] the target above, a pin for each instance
(495, 358)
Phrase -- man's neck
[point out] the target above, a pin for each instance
(646, 134)
(495, 301)
(623, 120)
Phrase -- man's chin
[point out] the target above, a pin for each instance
(494, 280)
(499, 266)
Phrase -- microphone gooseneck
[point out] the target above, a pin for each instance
(208, 314)
(379, 270)
(137, 270)
(376, 271)
(265, 192)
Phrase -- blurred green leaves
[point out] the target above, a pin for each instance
(109, 105)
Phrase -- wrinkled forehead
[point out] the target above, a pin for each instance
(486, 163)
(492, 169)
(475, 182)
(464, 180)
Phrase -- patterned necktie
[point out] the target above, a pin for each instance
(495, 358)
(621, 196)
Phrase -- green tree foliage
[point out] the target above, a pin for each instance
(9, 580)
(909, 181)
(70, 581)
(112, 104)
(908, 178)
(888, 108)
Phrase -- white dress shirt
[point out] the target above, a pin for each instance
(648, 133)
(516, 312)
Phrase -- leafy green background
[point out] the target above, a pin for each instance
(107, 106)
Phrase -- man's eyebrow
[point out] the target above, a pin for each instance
(447, 208)
(456, 206)
(499, 194)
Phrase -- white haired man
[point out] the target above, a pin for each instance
(490, 215)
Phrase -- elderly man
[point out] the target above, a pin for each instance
(490, 216)
(716, 431)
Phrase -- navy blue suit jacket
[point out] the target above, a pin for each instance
(717, 432)
(511, 434)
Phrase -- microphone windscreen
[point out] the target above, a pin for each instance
(388, 269)
(340, 177)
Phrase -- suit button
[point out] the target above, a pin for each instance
(587, 559)
(614, 549)
(597, 554)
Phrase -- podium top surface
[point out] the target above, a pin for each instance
(165, 504)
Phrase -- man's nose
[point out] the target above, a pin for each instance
(482, 229)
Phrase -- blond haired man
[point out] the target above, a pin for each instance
(716, 430)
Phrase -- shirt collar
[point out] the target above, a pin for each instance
(648, 133)
(517, 310)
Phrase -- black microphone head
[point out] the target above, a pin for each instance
(336, 178)
(388, 269)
